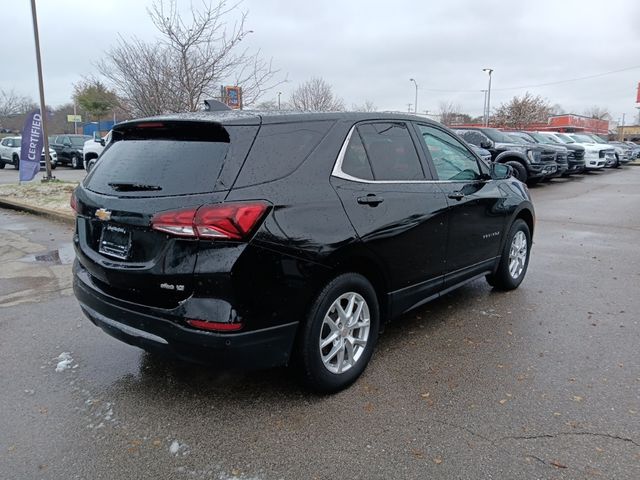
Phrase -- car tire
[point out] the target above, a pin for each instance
(53, 165)
(328, 338)
(514, 260)
(75, 162)
(2, 164)
(518, 171)
(16, 162)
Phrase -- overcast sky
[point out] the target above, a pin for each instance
(368, 50)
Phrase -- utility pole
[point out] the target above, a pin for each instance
(409, 107)
(43, 108)
(279, 93)
(415, 105)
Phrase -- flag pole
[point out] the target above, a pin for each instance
(43, 111)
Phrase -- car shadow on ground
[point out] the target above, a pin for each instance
(164, 377)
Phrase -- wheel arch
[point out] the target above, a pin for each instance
(369, 268)
(509, 156)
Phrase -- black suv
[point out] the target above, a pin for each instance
(281, 238)
(530, 163)
(69, 149)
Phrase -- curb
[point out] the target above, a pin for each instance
(45, 212)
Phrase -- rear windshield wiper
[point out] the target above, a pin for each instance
(133, 187)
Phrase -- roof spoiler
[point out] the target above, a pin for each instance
(215, 106)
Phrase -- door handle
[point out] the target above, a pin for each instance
(371, 199)
(457, 195)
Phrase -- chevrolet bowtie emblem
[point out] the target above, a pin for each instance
(103, 214)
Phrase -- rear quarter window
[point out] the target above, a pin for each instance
(280, 149)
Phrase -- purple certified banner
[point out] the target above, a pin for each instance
(31, 147)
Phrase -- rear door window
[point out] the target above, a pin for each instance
(391, 151)
(176, 161)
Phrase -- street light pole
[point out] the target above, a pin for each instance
(279, 93)
(484, 108)
(489, 71)
(415, 104)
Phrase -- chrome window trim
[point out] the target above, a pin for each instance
(338, 173)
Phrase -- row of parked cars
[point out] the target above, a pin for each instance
(64, 149)
(536, 156)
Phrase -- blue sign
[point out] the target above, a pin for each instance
(31, 146)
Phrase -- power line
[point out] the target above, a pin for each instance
(558, 82)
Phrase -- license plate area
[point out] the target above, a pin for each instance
(115, 241)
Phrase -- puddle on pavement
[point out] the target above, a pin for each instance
(61, 256)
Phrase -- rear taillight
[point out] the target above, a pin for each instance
(225, 221)
(73, 202)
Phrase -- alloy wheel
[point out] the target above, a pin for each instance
(517, 254)
(344, 332)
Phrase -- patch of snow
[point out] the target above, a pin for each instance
(64, 361)
(174, 448)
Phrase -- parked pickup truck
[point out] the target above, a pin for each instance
(530, 163)
(92, 150)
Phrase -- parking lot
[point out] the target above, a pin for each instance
(10, 175)
(540, 382)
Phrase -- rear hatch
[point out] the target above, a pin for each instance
(153, 169)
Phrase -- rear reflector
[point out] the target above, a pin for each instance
(215, 326)
(225, 221)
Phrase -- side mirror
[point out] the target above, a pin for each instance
(101, 141)
(66, 144)
(486, 144)
(500, 171)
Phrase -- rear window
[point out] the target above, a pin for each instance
(173, 161)
(280, 149)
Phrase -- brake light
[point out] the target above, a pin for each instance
(215, 326)
(150, 125)
(225, 221)
(73, 202)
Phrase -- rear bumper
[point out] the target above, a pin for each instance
(142, 327)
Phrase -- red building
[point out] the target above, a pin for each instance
(578, 123)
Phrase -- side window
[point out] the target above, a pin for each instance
(280, 149)
(355, 161)
(473, 137)
(391, 152)
(450, 157)
(6, 142)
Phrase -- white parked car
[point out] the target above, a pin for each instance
(591, 142)
(92, 150)
(10, 153)
(596, 155)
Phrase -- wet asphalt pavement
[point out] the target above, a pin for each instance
(542, 382)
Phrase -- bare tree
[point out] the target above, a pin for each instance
(12, 103)
(451, 114)
(367, 106)
(192, 59)
(601, 113)
(520, 112)
(315, 95)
